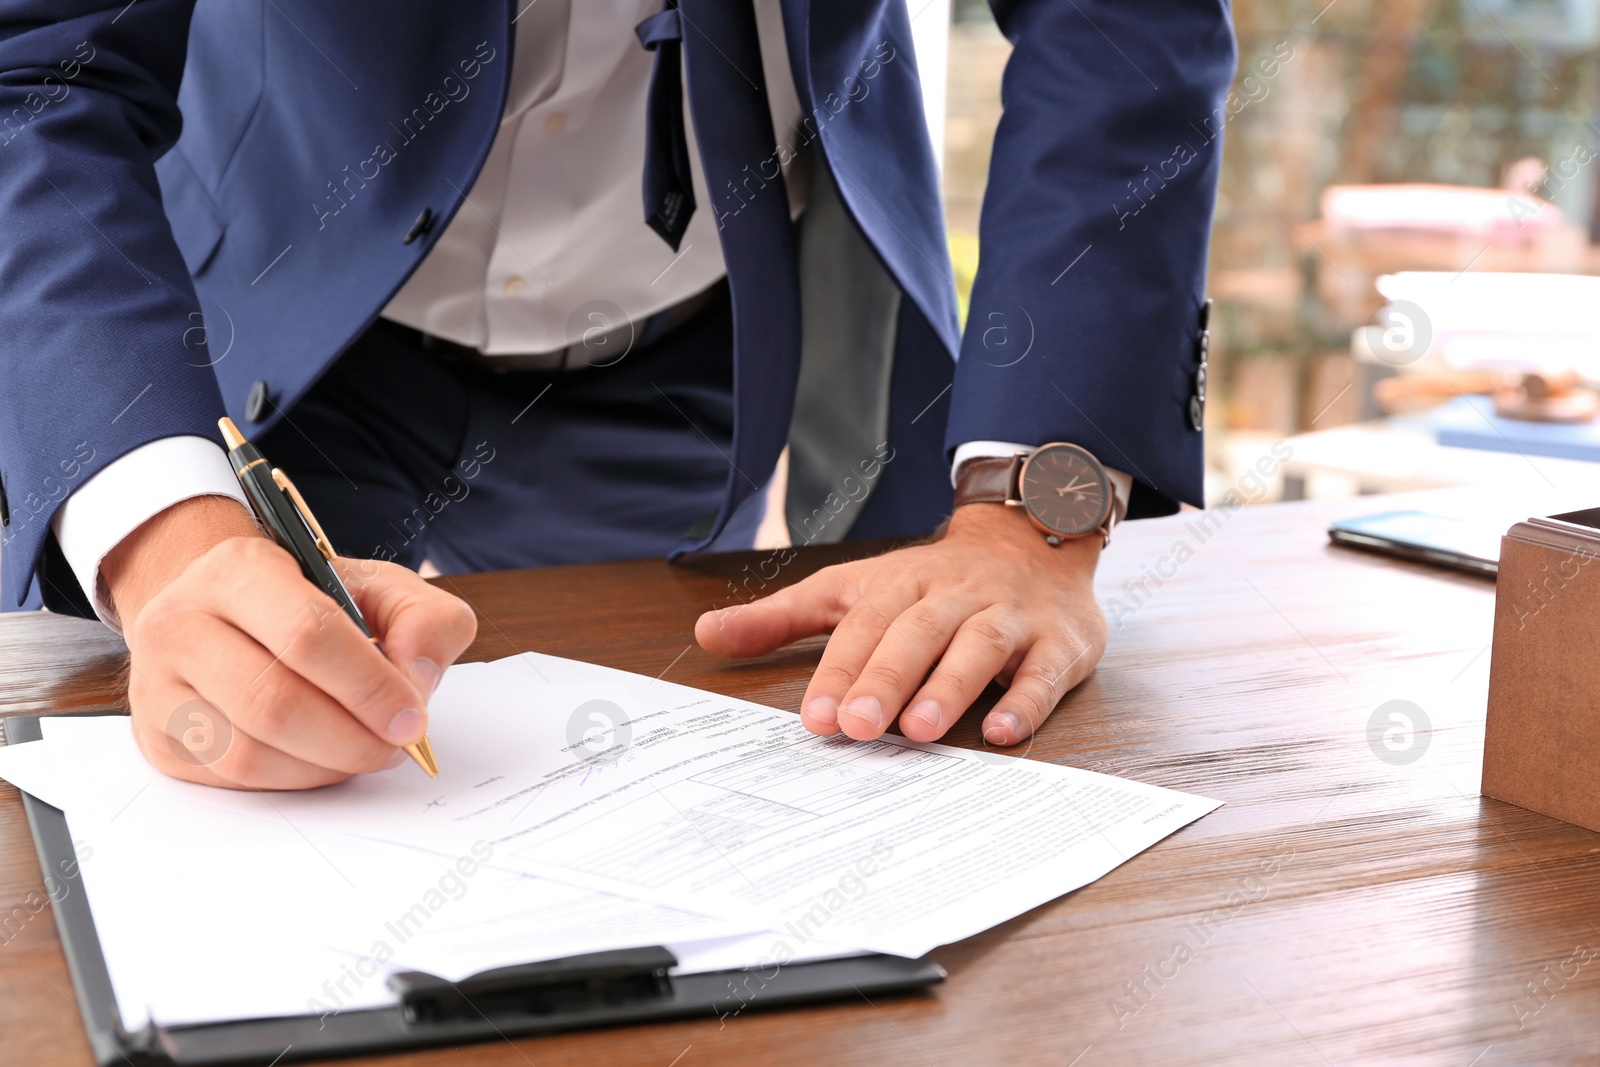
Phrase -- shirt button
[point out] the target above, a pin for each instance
(515, 285)
(555, 123)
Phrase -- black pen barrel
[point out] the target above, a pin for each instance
(286, 527)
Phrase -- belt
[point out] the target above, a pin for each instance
(602, 345)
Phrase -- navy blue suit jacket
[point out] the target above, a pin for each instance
(147, 279)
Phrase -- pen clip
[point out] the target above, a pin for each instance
(300, 506)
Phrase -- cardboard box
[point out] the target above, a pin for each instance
(1541, 746)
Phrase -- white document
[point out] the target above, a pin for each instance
(687, 800)
(204, 914)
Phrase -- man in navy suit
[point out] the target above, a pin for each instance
(517, 284)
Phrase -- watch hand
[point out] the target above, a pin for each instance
(1075, 487)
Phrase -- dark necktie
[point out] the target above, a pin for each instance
(668, 187)
(717, 41)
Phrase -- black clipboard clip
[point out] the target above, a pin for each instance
(615, 979)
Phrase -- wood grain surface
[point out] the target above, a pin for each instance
(1344, 907)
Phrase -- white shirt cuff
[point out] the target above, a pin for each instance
(132, 488)
(1121, 483)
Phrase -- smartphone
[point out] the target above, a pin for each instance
(1442, 540)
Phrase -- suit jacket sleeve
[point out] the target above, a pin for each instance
(98, 316)
(1085, 316)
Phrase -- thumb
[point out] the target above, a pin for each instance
(813, 606)
(422, 628)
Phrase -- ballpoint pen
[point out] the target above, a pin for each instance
(281, 508)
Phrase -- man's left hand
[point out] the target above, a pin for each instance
(918, 633)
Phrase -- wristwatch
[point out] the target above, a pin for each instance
(1064, 490)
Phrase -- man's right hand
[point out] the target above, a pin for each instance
(246, 675)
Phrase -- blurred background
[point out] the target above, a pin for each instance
(1405, 247)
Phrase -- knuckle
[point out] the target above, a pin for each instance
(1052, 663)
(973, 584)
(157, 751)
(922, 625)
(227, 556)
(864, 613)
(861, 620)
(958, 680)
(215, 562)
(843, 591)
(303, 626)
(373, 689)
(1072, 653)
(922, 574)
(886, 676)
(831, 676)
(360, 758)
(1034, 697)
(160, 624)
(266, 703)
(245, 762)
(989, 634)
(255, 547)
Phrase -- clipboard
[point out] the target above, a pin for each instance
(601, 989)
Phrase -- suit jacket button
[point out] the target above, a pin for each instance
(421, 227)
(1197, 413)
(255, 404)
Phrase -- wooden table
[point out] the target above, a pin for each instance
(1342, 908)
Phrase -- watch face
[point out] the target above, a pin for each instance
(1065, 490)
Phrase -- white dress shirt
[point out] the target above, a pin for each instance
(555, 220)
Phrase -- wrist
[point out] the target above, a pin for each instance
(162, 547)
(1007, 527)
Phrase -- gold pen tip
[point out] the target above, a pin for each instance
(422, 752)
(230, 433)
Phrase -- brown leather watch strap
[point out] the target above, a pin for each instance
(990, 480)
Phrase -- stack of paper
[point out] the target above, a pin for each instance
(577, 809)
(1488, 320)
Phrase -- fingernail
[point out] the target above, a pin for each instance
(867, 709)
(1002, 728)
(405, 727)
(395, 760)
(824, 710)
(928, 711)
(425, 675)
